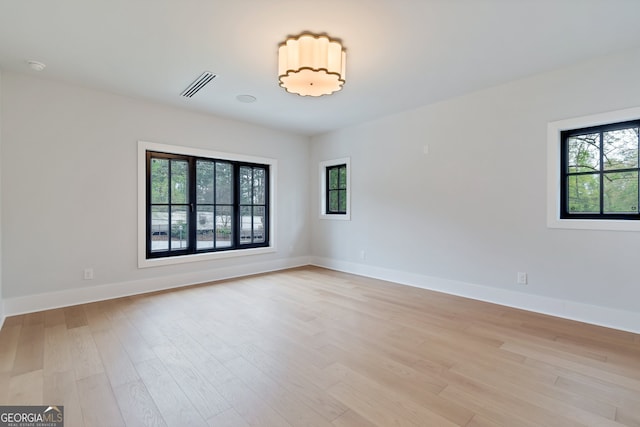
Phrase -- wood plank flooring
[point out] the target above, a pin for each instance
(313, 347)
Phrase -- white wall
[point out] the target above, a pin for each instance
(69, 194)
(466, 217)
(1, 298)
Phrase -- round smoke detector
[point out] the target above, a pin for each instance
(247, 99)
(36, 65)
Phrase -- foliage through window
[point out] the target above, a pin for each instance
(336, 192)
(197, 205)
(600, 172)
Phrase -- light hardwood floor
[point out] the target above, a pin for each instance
(312, 347)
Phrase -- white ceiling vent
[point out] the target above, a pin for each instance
(198, 84)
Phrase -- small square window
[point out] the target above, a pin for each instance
(599, 172)
(593, 172)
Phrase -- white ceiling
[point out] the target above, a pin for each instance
(400, 53)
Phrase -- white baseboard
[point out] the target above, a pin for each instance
(596, 315)
(32, 303)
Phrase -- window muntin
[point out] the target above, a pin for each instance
(194, 205)
(600, 172)
(336, 186)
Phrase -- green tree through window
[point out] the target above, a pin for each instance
(600, 172)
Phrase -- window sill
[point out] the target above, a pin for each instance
(338, 217)
(597, 224)
(143, 262)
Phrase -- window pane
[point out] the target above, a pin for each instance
(621, 192)
(204, 181)
(224, 183)
(159, 180)
(583, 193)
(179, 181)
(584, 153)
(333, 201)
(159, 228)
(620, 149)
(179, 228)
(258, 224)
(343, 178)
(204, 227)
(245, 185)
(224, 226)
(259, 180)
(245, 224)
(333, 178)
(342, 201)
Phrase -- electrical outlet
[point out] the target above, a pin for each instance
(363, 255)
(88, 274)
(522, 278)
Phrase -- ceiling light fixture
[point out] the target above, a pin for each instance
(311, 65)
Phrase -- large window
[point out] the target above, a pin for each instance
(599, 172)
(198, 205)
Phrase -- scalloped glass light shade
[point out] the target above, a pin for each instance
(311, 65)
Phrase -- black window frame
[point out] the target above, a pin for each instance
(342, 187)
(192, 211)
(565, 212)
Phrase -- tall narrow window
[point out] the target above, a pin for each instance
(600, 172)
(169, 204)
(336, 202)
(197, 204)
(214, 207)
(253, 207)
(335, 189)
